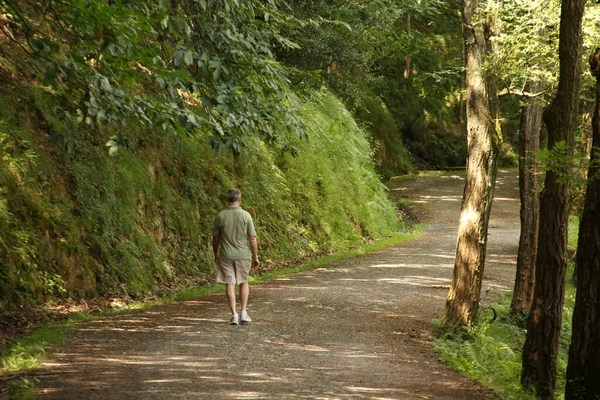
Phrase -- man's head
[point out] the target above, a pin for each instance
(233, 195)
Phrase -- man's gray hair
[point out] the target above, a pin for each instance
(233, 195)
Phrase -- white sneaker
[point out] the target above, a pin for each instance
(234, 320)
(244, 317)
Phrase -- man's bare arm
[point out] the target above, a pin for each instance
(215, 245)
(254, 249)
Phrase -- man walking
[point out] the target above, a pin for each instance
(236, 251)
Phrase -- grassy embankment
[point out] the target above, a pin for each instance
(77, 223)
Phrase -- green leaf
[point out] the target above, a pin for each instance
(188, 58)
(182, 120)
(112, 48)
(69, 144)
(101, 118)
(113, 145)
(56, 138)
(178, 58)
(51, 75)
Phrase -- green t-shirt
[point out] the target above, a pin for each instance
(233, 226)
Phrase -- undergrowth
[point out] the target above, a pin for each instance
(490, 352)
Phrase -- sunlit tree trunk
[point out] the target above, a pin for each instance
(483, 144)
(583, 371)
(544, 323)
(529, 140)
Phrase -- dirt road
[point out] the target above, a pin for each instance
(356, 329)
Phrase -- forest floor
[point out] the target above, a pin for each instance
(360, 328)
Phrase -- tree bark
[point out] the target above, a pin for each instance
(529, 140)
(483, 143)
(583, 371)
(544, 323)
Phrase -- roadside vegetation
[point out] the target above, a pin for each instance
(86, 223)
(490, 351)
(122, 125)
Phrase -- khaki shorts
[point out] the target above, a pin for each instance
(233, 271)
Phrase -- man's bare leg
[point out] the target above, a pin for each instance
(244, 292)
(230, 292)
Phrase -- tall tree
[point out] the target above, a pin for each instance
(529, 140)
(560, 117)
(483, 141)
(526, 63)
(583, 371)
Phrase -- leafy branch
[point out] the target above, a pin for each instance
(185, 68)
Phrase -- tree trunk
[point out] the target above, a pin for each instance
(529, 138)
(560, 117)
(583, 371)
(483, 144)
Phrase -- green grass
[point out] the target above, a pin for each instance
(28, 352)
(20, 389)
(573, 231)
(490, 353)
(404, 202)
(425, 174)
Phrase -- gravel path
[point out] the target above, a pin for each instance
(357, 329)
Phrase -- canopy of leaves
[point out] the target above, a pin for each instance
(360, 50)
(527, 44)
(178, 65)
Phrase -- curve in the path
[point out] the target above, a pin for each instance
(356, 329)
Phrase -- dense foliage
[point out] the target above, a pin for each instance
(84, 223)
(122, 123)
(178, 66)
(397, 66)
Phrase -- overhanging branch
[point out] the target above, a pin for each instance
(517, 92)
